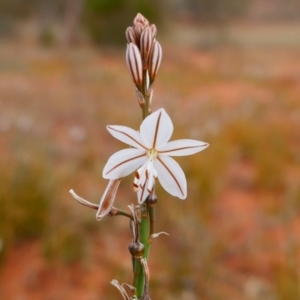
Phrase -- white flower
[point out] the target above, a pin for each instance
(150, 156)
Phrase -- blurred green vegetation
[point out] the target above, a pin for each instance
(26, 193)
(105, 20)
(217, 10)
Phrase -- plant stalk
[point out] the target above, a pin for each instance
(144, 234)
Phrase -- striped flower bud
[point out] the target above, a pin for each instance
(140, 19)
(154, 60)
(134, 63)
(139, 24)
(146, 44)
(138, 29)
(130, 35)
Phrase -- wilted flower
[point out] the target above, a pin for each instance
(150, 156)
(107, 200)
(122, 290)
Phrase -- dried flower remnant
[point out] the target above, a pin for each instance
(107, 200)
(122, 290)
(150, 156)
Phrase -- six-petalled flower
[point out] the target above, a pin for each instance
(150, 155)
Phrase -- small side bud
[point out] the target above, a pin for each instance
(154, 60)
(146, 44)
(134, 63)
(151, 200)
(136, 249)
(130, 35)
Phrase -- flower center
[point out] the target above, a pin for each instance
(145, 176)
(152, 154)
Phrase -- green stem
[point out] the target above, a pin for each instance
(152, 219)
(144, 234)
(145, 219)
(119, 212)
(136, 265)
(144, 91)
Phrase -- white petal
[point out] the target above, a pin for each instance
(126, 135)
(171, 176)
(182, 147)
(123, 163)
(156, 129)
(150, 183)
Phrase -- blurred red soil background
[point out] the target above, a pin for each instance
(236, 237)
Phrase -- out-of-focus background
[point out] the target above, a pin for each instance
(230, 76)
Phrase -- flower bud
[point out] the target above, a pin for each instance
(138, 29)
(154, 60)
(130, 35)
(140, 19)
(139, 24)
(134, 63)
(146, 44)
(151, 200)
(136, 249)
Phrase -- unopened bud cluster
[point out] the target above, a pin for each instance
(143, 55)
